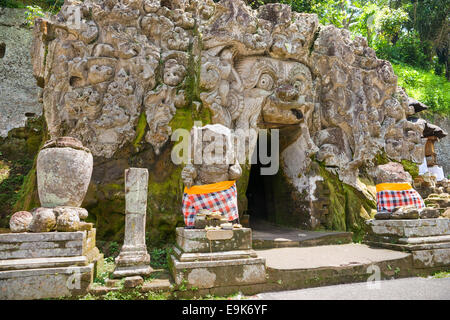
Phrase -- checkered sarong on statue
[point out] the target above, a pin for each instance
(224, 201)
(392, 195)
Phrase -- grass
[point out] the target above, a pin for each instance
(442, 274)
(12, 174)
(426, 87)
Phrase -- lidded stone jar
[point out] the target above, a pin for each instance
(64, 170)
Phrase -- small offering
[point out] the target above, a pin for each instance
(237, 226)
(226, 226)
(216, 215)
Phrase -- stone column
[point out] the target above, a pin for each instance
(134, 258)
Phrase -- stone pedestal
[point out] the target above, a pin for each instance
(47, 265)
(210, 259)
(134, 258)
(427, 239)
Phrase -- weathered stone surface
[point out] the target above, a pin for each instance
(63, 169)
(431, 258)
(428, 213)
(19, 95)
(20, 221)
(156, 285)
(44, 220)
(382, 216)
(410, 228)
(391, 172)
(405, 212)
(438, 200)
(48, 245)
(112, 283)
(208, 274)
(45, 282)
(427, 239)
(80, 212)
(68, 221)
(133, 282)
(36, 263)
(213, 256)
(446, 213)
(443, 147)
(195, 241)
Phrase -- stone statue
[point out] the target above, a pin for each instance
(210, 177)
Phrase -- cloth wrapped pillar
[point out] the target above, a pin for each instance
(220, 196)
(392, 195)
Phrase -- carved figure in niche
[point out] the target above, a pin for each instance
(227, 74)
(211, 179)
(161, 103)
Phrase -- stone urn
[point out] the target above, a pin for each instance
(64, 169)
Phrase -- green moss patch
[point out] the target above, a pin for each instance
(348, 209)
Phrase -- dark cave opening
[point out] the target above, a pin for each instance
(260, 191)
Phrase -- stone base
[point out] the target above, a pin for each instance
(45, 282)
(47, 265)
(427, 239)
(217, 273)
(132, 263)
(215, 259)
(196, 240)
(121, 272)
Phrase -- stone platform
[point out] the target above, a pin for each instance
(427, 239)
(297, 268)
(266, 235)
(47, 265)
(215, 259)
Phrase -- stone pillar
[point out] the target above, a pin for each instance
(134, 258)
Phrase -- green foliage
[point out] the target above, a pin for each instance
(442, 274)
(158, 258)
(105, 271)
(32, 13)
(390, 22)
(11, 4)
(425, 86)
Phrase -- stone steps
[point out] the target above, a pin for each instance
(266, 236)
(34, 263)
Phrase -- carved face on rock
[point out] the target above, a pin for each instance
(285, 85)
(173, 72)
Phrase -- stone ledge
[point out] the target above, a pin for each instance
(196, 241)
(157, 285)
(45, 283)
(43, 236)
(218, 263)
(410, 228)
(226, 255)
(21, 264)
(209, 274)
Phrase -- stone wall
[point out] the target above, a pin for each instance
(18, 90)
(443, 146)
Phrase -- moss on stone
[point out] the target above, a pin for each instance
(410, 167)
(347, 206)
(140, 130)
